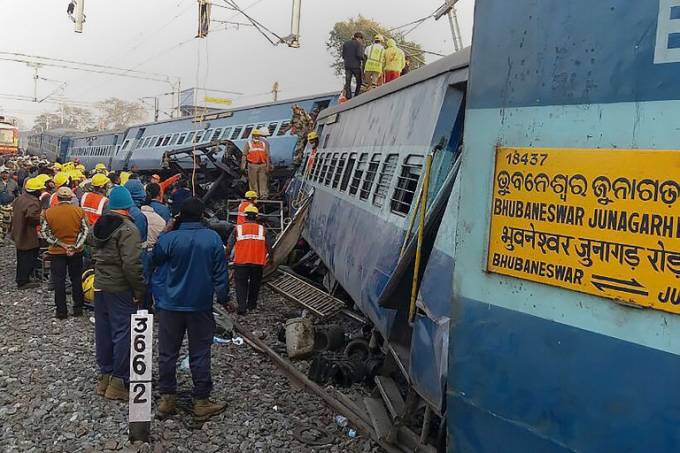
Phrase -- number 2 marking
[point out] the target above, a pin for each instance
(141, 388)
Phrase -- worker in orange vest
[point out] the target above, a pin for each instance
(250, 200)
(257, 161)
(313, 140)
(250, 246)
(94, 203)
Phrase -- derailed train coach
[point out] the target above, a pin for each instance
(568, 106)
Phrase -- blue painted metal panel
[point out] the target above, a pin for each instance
(538, 52)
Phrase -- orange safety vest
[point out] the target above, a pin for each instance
(53, 200)
(241, 217)
(93, 205)
(250, 246)
(257, 152)
(311, 161)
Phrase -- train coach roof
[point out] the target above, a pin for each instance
(98, 134)
(449, 63)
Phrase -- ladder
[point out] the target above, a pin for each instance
(309, 296)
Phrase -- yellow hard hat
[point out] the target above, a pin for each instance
(34, 184)
(88, 285)
(257, 133)
(380, 38)
(100, 166)
(60, 179)
(312, 136)
(43, 178)
(251, 194)
(80, 167)
(124, 176)
(251, 210)
(56, 166)
(100, 180)
(68, 166)
(76, 175)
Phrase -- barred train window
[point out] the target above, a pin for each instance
(341, 168)
(207, 135)
(331, 169)
(407, 183)
(388, 169)
(174, 139)
(166, 140)
(237, 132)
(182, 137)
(272, 128)
(348, 173)
(247, 131)
(367, 186)
(216, 134)
(317, 166)
(226, 134)
(282, 129)
(358, 174)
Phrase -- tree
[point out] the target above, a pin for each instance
(66, 117)
(115, 114)
(343, 31)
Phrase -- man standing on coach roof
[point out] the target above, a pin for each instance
(23, 231)
(195, 266)
(119, 289)
(65, 228)
(353, 57)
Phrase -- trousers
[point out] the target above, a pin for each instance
(59, 267)
(26, 262)
(258, 180)
(200, 329)
(112, 313)
(248, 278)
(349, 73)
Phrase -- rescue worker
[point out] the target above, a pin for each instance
(95, 202)
(257, 160)
(375, 62)
(153, 194)
(250, 200)
(24, 232)
(119, 280)
(250, 246)
(65, 229)
(195, 271)
(100, 168)
(313, 140)
(9, 191)
(352, 57)
(46, 194)
(61, 179)
(395, 61)
(166, 183)
(300, 124)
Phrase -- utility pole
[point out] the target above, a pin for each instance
(80, 15)
(275, 91)
(35, 82)
(295, 25)
(448, 9)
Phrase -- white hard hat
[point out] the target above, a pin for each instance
(264, 131)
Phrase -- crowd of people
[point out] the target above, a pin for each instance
(370, 66)
(149, 248)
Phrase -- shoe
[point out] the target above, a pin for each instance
(252, 307)
(59, 315)
(103, 384)
(241, 312)
(168, 405)
(29, 285)
(207, 408)
(116, 390)
(78, 311)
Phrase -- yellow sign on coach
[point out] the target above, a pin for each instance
(599, 221)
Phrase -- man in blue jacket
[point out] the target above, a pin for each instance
(136, 189)
(194, 265)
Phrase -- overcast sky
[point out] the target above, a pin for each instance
(155, 35)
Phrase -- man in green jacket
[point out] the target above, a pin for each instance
(119, 289)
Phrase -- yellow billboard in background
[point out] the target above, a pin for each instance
(598, 221)
(214, 100)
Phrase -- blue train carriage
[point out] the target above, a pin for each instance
(53, 144)
(97, 147)
(566, 334)
(145, 145)
(366, 180)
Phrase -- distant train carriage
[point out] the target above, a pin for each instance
(94, 148)
(53, 144)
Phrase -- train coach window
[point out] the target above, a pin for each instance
(367, 186)
(348, 172)
(388, 170)
(207, 135)
(324, 167)
(125, 145)
(317, 167)
(199, 136)
(237, 132)
(166, 140)
(189, 137)
(407, 183)
(216, 134)
(358, 173)
(159, 141)
(341, 168)
(247, 131)
(331, 169)
(272, 128)
(174, 139)
(182, 137)
(283, 129)
(227, 134)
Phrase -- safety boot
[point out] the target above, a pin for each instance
(168, 405)
(116, 390)
(103, 384)
(206, 408)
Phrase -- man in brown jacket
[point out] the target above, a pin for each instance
(65, 228)
(24, 233)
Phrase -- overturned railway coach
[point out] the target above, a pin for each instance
(530, 334)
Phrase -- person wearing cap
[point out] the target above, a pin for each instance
(119, 289)
(100, 168)
(257, 161)
(65, 229)
(195, 271)
(155, 178)
(375, 62)
(61, 179)
(250, 245)
(313, 140)
(136, 188)
(9, 189)
(46, 194)
(95, 202)
(250, 200)
(24, 232)
(301, 124)
(155, 198)
(395, 60)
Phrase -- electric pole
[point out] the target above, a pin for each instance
(275, 91)
(448, 9)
